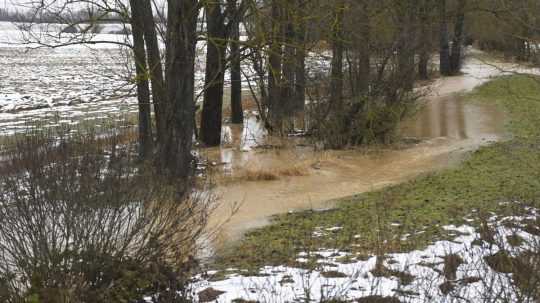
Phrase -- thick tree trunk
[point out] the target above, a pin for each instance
(336, 73)
(211, 120)
(407, 45)
(275, 116)
(444, 51)
(154, 62)
(457, 42)
(425, 36)
(300, 57)
(423, 62)
(178, 111)
(143, 91)
(358, 55)
(237, 113)
(364, 64)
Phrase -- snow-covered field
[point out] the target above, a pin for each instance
(67, 85)
(425, 274)
(62, 85)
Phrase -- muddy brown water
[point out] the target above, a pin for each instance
(446, 125)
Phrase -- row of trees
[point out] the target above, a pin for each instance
(74, 15)
(510, 27)
(375, 52)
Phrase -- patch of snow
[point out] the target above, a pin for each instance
(287, 284)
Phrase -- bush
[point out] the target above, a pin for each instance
(81, 220)
(360, 120)
(71, 29)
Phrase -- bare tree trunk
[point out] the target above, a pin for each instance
(364, 65)
(457, 42)
(336, 77)
(444, 51)
(275, 116)
(237, 113)
(287, 99)
(358, 54)
(215, 70)
(300, 58)
(143, 91)
(423, 62)
(300, 72)
(425, 37)
(176, 143)
(154, 62)
(407, 44)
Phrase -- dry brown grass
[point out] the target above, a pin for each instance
(273, 170)
(272, 174)
(269, 164)
(259, 175)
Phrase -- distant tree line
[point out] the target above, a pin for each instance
(75, 16)
(11, 16)
(509, 27)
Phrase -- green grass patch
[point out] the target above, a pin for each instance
(411, 215)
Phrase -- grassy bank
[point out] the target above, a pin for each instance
(411, 215)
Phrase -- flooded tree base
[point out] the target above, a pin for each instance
(292, 175)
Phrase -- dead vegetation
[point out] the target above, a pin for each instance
(272, 174)
(84, 220)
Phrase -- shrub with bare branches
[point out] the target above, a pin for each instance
(82, 221)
